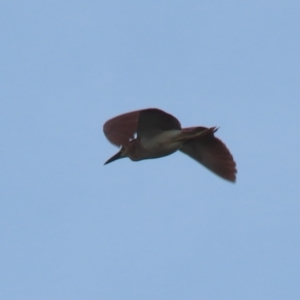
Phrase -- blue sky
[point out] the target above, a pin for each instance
(71, 228)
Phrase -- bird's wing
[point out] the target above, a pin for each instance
(213, 154)
(146, 123)
(120, 130)
(153, 121)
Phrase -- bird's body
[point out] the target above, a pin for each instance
(160, 134)
(157, 146)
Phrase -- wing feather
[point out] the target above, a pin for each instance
(120, 130)
(213, 154)
(153, 121)
(147, 123)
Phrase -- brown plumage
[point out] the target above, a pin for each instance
(159, 134)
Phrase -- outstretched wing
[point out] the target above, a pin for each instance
(153, 121)
(213, 154)
(120, 130)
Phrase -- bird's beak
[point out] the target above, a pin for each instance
(115, 157)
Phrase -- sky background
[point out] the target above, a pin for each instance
(71, 228)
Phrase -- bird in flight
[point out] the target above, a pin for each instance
(153, 133)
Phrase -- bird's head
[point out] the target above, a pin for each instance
(121, 154)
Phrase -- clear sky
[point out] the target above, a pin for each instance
(71, 228)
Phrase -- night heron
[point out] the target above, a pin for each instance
(153, 133)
